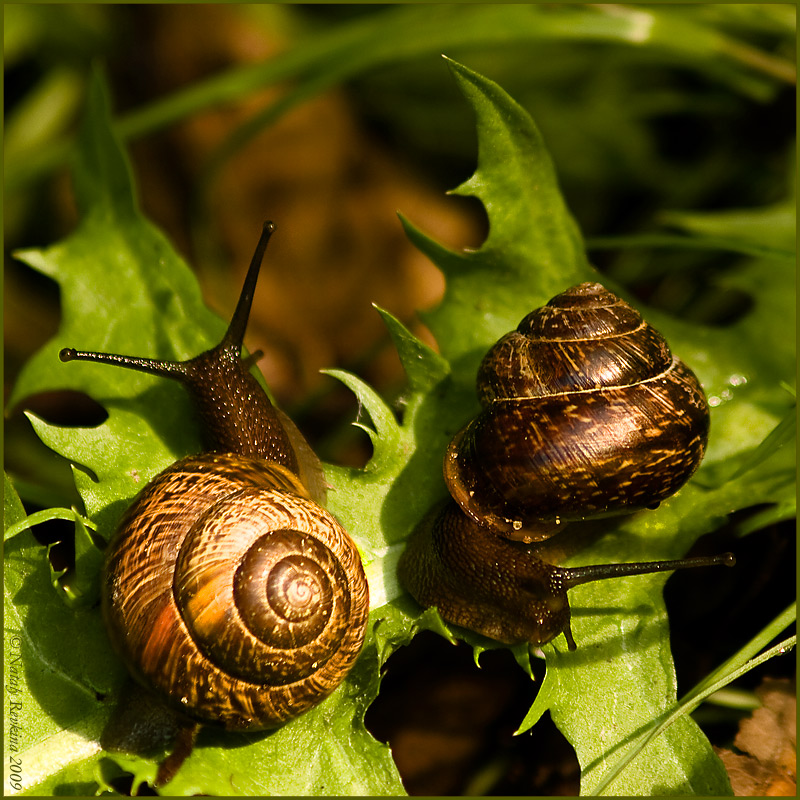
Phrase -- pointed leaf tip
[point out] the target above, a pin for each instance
(424, 367)
(102, 172)
(387, 432)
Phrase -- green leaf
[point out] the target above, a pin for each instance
(423, 366)
(24, 523)
(386, 434)
(58, 669)
(734, 244)
(771, 227)
(82, 588)
(125, 290)
(783, 435)
(739, 664)
(13, 510)
(534, 248)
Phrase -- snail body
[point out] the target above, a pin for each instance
(227, 589)
(586, 413)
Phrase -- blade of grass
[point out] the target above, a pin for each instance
(47, 515)
(666, 240)
(409, 32)
(737, 665)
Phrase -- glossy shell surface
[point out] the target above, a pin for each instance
(586, 413)
(252, 629)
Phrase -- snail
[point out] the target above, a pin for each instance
(227, 589)
(586, 413)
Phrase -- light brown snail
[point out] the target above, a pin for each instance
(227, 589)
(586, 413)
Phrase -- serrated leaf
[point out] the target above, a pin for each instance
(381, 503)
(621, 675)
(55, 708)
(534, 248)
(533, 251)
(424, 367)
(386, 433)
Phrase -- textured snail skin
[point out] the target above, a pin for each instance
(227, 589)
(483, 582)
(586, 414)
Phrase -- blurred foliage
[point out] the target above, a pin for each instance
(647, 109)
(665, 106)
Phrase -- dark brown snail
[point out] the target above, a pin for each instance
(227, 589)
(586, 413)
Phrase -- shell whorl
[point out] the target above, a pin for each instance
(266, 610)
(586, 412)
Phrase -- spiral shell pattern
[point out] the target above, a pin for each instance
(233, 595)
(586, 413)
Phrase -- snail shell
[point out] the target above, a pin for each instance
(586, 413)
(230, 593)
